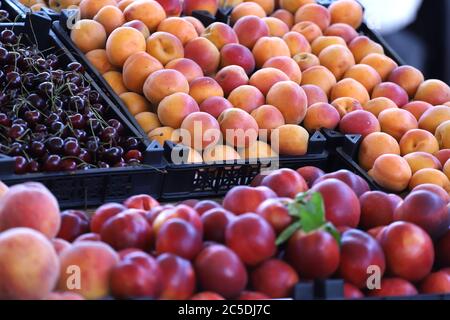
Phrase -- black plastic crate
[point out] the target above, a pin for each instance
(214, 180)
(14, 10)
(21, 10)
(92, 187)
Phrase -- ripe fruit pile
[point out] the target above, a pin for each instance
(55, 5)
(207, 250)
(51, 119)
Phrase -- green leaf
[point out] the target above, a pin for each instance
(287, 234)
(331, 229)
(312, 214)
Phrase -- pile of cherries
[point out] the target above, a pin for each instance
(51, 119)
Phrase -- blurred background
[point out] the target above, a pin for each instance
(418, 30)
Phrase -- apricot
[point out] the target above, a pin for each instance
(88, 35)
(198, 25)
(203, 88)
(308, 29)
(269, 47)
(287, 65)
(297, 43)
(321, 115)
(314, 13)
(306, 61)
(135, 103)
(257, 25)
(89, 8)
(246, 97)
(268, 118)
(215, 106)
(392, 91)
(236, 54)
(407, 77)
(417, 108)
(397, 122)
(292, 140)
(314, 94)
(346, 105)
(323, 42)
(443, 135)
(258, 150)
(447, 170)
(136, 70)
(346, 11)
(165, 47)
(290, 99)
(173, 109)
(162, 134)
(435, 92)
(99, 60)
(433, 118)
(338, 59)
(378, 105)
(220, 154)
(364, 74)
(374, 146)
(148, 121)
(422, 160)
(231, 77)
(350, 88)
(285, 16)
(115, 80)
(443, 156)
(247, 9)
(418, 140)
(110, 17)
(319, 76)
(187, 67)
(148, 11)
(203, 129)
(277, 28)
(430, 176)
(264, 79)
(122, 4)
(204, 53)
(267, 5)
(293, 5)
(180, 28)
(220, 34)
(381, 63)
(122, 43)
(163, 83)
(139, 26)
(362, 46)
(342, 30)
(392, 172)
(238, 127)
(359, 122)
(210, 6)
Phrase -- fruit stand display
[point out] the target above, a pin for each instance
(104, 111)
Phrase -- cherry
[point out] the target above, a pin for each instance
(102, 164)
(55, 144)
(52, 163)
(37, 148)
(57, 127)
(77, 121)
(93, 126)
(8, 36)
(68, 165)
(4, 120)
(109, 135)
(130, 144)
(20, 166)
(13, 79)
(15, 149)
(33, 166)
(46, 89)
(32, 117)
(85, 156)
(16, 131)
(76, 103)
(94, 97)
(42, 77)
(112, 155)
(36, 101)
(72, 148)
(117, 125)
(75, 66)
(40, 128)
(80, 135)
(4, 15)
(133, 155)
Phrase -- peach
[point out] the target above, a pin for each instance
(362, 46)
(148, 11)
(220, 154)
(350, 88)
(308, 29)
(187, 67)
(210, 6)
(89, 8)
(268, 118)
(203, 129)
(447, 170)
(163, 83)
(267, 5)
(277, 28)
(407, 77)
(381, 63)
(342, 30)
(215, 106)
(374, 146)
(443, 135)
(135, 103)
(180, 28)
(204, 53)
(306, 61)
(359, 122)
(99, 60)
(247, 9)
(139, 26)
(377, 209)
(323, 42)
(115, 80)
(293, 5)
(435, 92)
(422, 160)
(314, 13)
(346, 105)
(257, 25)
(287, 65)
(378, 105)
(88, 35)
(203, 88)
(236, 54)
(148, 121)
(443, 156)
(264, 79)
(122, 43)
(292, 140)
(433, 118)
(269, 47)
(285, 16)
(137, 68)
(321, 115)
(418, 140)
(165, 47)
(417, 108)
(95, 261)
(319, 76)
(434, 189)
(238, 127)
(290, 99)
(173, 8)
(198, 25)
(231, 77)
(246, 97)
(392, 91)
(338, 59)
(297, 43)
(397, 122)
(59, 245)
(430, 176)
(392, 172)
(314, 94)
(220, 34)
(122, 4)
(162, 134)
(364, 74)
(110, 17)
(173, 109)
(258, 150)
(29, 266)
(346, 11)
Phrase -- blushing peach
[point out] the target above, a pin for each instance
(215, 106)
(246, 97)
(122, 43)
(346, 105)
(293, 140)
(443, 135)
(165, 47)
(268, 118)
(236, 54)
(321, 115)
(258, 150)
(433, 118)
(173, 8)
(210, 6)
(115, 81)
(267, 5)
(247, 9)
(135, 103)
(149, 12)
(422, 160)
(297, 43)
(383, 64)
(346, 11)
(430, 176)
(418, 140)
(350, 88)
(290, 99)
(306, 61)
(314, 94)
(220, 154)
(122, 4)
(285, 16)
(378, 105)
(407, 77)
(293, 5)
(203, 129)
(198, 25)
(359, 122)
(89, 8)
(447, 170)
(374, 146)
(99, 60)
(314, 13)
(231, 77)
(204, 53)
(148, 121)
(392, 172)
(397, 122)
(277, 28)
(180, 28)
(204, 88)
(362, 46)
(257, 25)
(364, 74)
(319, 76)
(88, 35)
(287, 65)
(187, 67)
(269, 47)
(161, 135)
(435, 92)
(392, 91)
(323, 42)
(110, 17)
(220, 34)
(443, 156)
(238, 127)
(264, 79)
(338, 59)
(308, 29)
(173, 109)
(342, 30)
(136, 70)
(417, 108)
(139, 26)
(163, 83)
(434, 189)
